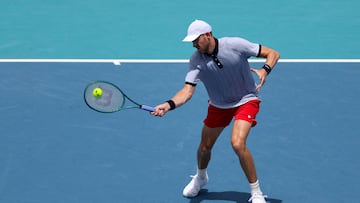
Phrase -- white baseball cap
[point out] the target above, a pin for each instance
(196, 28)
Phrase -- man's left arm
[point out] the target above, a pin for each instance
(271, 55)
(272, 58)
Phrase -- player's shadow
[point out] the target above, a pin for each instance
(231, 196)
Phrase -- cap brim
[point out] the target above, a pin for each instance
(190, 38)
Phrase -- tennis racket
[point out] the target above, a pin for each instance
(111, 100)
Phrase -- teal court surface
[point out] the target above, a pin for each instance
(53, 148)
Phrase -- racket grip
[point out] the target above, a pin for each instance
(147, 108)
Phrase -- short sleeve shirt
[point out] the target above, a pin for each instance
(233, 84)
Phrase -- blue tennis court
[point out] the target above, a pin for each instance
(54, 149)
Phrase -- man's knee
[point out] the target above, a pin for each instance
(239, 148)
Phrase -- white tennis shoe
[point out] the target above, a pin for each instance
(257, 198)
(193, 188)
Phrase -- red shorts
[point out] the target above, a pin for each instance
(217, 117)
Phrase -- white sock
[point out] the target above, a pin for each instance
(201, 173)
(255, 187)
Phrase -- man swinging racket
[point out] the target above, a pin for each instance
(222, 66)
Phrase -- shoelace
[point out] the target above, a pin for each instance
(196, 183)
(257, 196)
(193, 177)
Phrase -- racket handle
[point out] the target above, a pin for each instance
(147, 108)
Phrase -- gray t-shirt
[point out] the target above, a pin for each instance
(233, 84)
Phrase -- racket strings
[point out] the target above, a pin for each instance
(111, 100)
(106, 99)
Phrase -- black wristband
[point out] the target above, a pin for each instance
(267, 68)
(172, 104)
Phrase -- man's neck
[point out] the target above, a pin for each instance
(213, 47)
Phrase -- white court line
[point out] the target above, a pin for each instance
(119, 61)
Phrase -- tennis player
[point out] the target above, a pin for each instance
(222, 66)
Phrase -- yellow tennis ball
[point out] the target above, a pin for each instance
(97, 92)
